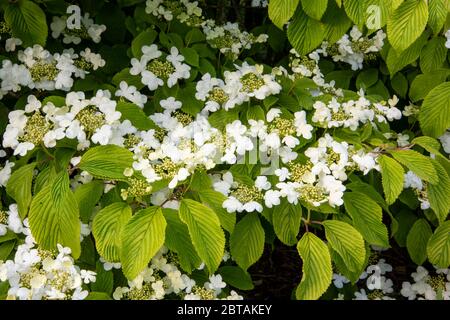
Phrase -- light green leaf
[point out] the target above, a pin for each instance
(367, 218)
(434, 116)
(214, 200)
(428, 143)
(54, 216)
(27, 22)
(438, 194)
(247, 241)
(315, 9)
(280, 11)
(417, 239)
(346, 241)
(305, 33)
(336, 23)
(392, 175)
(179, 241)
(316, 267)
(107, 230)
(286, 222)
(136, 115)
(417, 163)
(438, 10)
(423, 83)
(433, 55)
(142, 237)
(356, 10)
(206, 235)
(19, 187)
(107, 162)
(438, 247)
(98, 296)
(407, 23)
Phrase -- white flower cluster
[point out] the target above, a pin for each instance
(229, 39)
(354, 48)
(412, 181)
(156, 70)
(10, 220)
(74, 30)
(86, 120)
(184, 10)
(352, 113)
(37, 274)
(240, 86)
(10, 42)
(163, 278)
(447, 35)
(39, 69)
(131, 93)
(445, 141)
(427, 286)
(259, 3)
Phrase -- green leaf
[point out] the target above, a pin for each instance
(179, 241)
(392, 174)
(356, 10)
(54, 216)
(19, 187)
(98, 296)
(423, 83)
(214, 200)
(286, 222)
(135, 114)
(367, 218)
(87, 196)
(428, 143)
(316, 267)
(407, 23)
(433, 55)
(6, 248)
(27, 22)
(255, 113)
(145, 38)
(247, 241)
(400, 84)
(107, 162)
(193, 36)
(438, 193)
(315, 9)
(397, 60)
(305, 33)
(104, 280)
(204, 228)
(438, 10)
(236, 277)
(353, 276)
(346, 241)
(367, 78)
(417, 163)
(190, 55)
(131, 80)
(416, 241)
(336, 23)
(280, 11)
(438, 247)
(434, 116)
(107, 228)
(142, 237)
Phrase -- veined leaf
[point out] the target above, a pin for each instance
(87, 196)
(107, 229)
(433, 55)
(438, 194)
(214, 200)
(206, 235)
(54, 216)
(142, 237)
(305, 33)
(367, 218)
(392, 174)
(407, 23)
(280, 11)
(19, 187)
(438, 247)
(417, 239)
(434, 116)
(417, 163)
(315, 9)
(107, 162)
(438, 10)
(424, 83)
(137, 117)
(346, 241)
(286, 222)
(316, 267)
(247, 241)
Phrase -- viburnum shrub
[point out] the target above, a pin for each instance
(153, 149)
